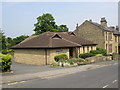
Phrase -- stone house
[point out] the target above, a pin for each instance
(105, 37)
(41, 49)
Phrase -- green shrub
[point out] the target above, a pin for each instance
(85, 55)
(5, 62)
(61, 57)
(99, 51)
(102, 51)
(95, 52)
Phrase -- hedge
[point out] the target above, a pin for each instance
(5, 62)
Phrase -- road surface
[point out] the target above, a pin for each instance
(104, 77)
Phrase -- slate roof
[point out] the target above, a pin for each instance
(54, 40)
(106, 29)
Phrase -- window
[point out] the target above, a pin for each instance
(110, 48)
(87, 49)
(115, 38)
(110, 36)
(116, 49)
(91, 47)
(106, 36)
(83, 49)
(106, 46)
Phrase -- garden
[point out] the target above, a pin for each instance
(63, 61)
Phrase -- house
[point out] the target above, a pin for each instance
(41, 49)
(105, 37)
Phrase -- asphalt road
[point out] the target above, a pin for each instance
(104, 77)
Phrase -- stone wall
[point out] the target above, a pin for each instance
(92, 33)
(97, 59)
(37, 56)
(116, 57)
(30, 56)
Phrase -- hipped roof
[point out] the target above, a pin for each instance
(54, 40)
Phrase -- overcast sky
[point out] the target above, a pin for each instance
(18, 18)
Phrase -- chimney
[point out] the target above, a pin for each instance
(103, 22)
(90, 20)
(77, 27)
(112, 27)
(117, 28)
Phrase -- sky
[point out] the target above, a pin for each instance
(18, 18)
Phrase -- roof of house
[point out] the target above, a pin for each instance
(104, 28)
(54, 40)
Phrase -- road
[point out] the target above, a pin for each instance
(104, 77)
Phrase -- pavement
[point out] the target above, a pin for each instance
(30, 73)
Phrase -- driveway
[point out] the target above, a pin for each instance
(27, 69)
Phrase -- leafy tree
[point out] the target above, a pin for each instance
(9, 42)
(2, 41)
(46, 23)
(19, 39)
(63, 28)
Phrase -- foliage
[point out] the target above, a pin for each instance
(99, 55)
(5, 62)
(102, 51)
(85, 55)
(19, 39)
(61, 57)
(99, 51)
(62, 28)
(95, 52)
(54, 64)
(46, 23)
(2, 40)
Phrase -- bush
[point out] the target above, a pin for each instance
(5, 62)
(95, 52)
(99, 55)
(85, 55)
(61, 57)
(99, 51)
(102, 51)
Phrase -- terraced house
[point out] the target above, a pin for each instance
(105, 37)
(41, 49)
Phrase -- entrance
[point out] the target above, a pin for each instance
(73, 52)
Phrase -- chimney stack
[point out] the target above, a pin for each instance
(103, 22)
(117, 28)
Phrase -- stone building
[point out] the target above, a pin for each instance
(41, 49)
(106, 37)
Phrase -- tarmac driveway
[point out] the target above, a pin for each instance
(26, 69)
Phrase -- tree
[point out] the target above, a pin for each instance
(63, 28)
(19, 39)
(2, 40)
(9, 42)
(46, 23)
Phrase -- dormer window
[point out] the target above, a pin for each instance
(71, 34)
(56, 36)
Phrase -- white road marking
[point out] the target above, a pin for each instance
(114, 81)
(105, 86)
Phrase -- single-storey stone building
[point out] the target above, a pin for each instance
(41, 49)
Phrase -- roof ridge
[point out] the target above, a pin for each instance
(71, 42)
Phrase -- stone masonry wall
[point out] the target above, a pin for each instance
(92, 33)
